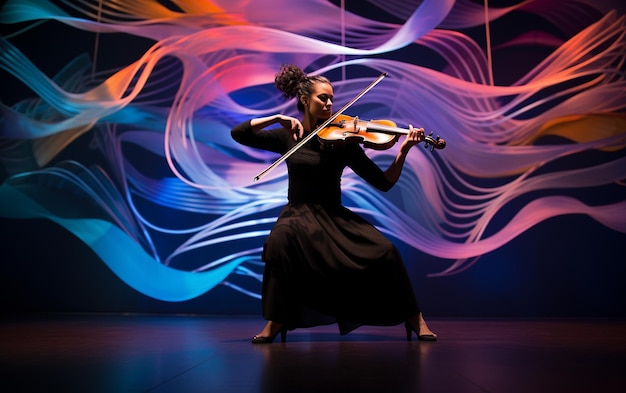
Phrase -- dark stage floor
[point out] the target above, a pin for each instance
(138, 353)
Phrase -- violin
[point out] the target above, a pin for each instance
(374, 134)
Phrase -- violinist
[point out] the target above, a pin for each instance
(323, 263)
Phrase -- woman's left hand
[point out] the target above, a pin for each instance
(415, 136)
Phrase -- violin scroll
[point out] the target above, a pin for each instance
(434, 143)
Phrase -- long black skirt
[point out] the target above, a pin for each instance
(329, 265)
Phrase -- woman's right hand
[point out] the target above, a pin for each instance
(293, 125)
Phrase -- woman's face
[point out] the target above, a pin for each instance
(320, 102)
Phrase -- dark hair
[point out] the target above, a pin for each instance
(293, 82)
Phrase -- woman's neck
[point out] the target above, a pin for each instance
(310, 123)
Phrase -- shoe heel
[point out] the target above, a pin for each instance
(409, 331)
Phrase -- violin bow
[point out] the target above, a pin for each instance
(319, 128)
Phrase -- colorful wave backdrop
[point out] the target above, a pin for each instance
(167, 200)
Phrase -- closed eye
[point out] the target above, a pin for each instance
(325, 97)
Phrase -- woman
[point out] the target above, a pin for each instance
(323, 263)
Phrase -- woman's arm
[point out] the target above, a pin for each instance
(415, 136)
(287, 122)
(363, 166)
(249, 132)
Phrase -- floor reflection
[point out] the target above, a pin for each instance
(95, 353)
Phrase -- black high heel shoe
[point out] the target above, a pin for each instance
(269, 340)
(421, 337)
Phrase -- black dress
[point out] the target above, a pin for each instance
(324, 263)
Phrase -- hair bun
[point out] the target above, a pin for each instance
(288, 79)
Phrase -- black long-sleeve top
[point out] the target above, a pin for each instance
(314, 170)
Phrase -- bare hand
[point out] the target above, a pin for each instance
(293, 125)
(415, 136)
